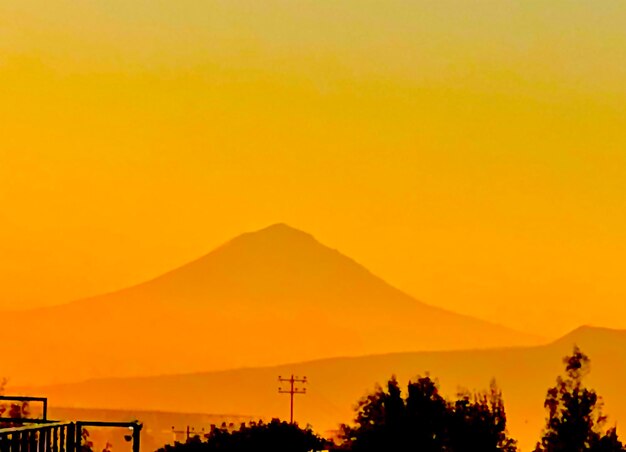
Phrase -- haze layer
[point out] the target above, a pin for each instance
(335, 385)
(471, 152)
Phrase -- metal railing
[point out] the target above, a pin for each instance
(51, 436)
(43, 437)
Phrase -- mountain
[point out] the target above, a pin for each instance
(268, 297)
(335, 385)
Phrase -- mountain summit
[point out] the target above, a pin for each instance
(268, 297)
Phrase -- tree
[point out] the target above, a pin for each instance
(427, 422)
(427, 415)
(575, 421)
(86, 444)
(479, 423)
(379, 421)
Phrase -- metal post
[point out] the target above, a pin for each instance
(24, 440)
(32, 439)
(15, 442)
(49, 439)
(41, 447)
(291, 406)
(78, 434)
(71, 438)
(55, 439)
(62, 440)
(136, 437)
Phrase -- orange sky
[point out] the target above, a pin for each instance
(470, 153)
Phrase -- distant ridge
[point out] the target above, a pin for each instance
(523, 373)
(266, 297)
(595, 339)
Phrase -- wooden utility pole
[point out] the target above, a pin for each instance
(293, 390)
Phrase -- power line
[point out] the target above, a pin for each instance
(293, 390)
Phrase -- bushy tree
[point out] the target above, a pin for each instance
(478, 422)
(575, 421)
(275, 436)
(427, 413)
(379, 421)
(427, 422)
(86, 444)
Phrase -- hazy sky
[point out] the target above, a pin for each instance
(472, 153)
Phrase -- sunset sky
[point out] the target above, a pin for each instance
(470, 153)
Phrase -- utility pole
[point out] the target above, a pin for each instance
(293, 390)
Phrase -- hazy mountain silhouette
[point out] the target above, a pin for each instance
(268, 297)
(335, 385)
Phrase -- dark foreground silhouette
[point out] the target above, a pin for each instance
(425, 421)
(275, 436)
(575, 420)
(420, 420)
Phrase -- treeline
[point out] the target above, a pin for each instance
(425, 421)
(275, 436)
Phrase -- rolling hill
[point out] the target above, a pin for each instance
(335, 385)
(268, 297)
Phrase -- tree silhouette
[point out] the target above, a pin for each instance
(275, 436)
(427, 414)
(609, 442)
(86, 444)
(479, 423)
(575, 421)
(380, 421)
(425, 421)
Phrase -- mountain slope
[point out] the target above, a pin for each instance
(276, 295)
(335, 385)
